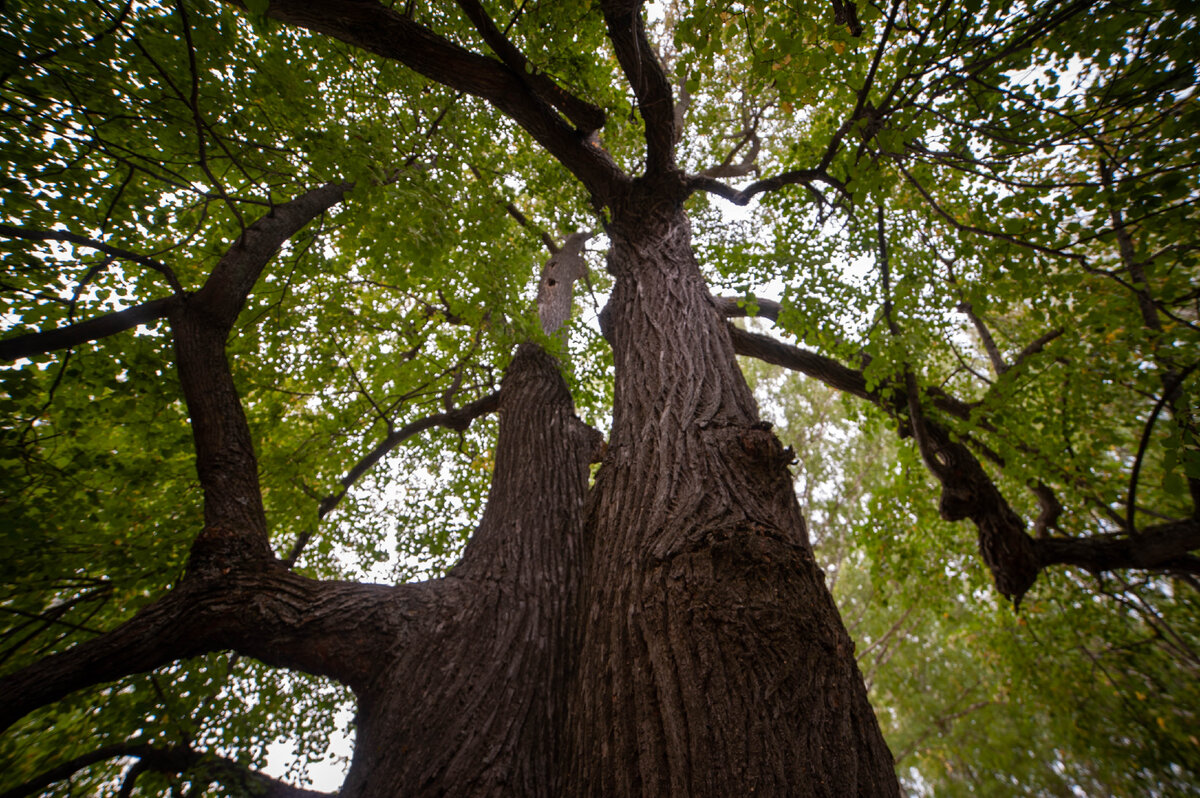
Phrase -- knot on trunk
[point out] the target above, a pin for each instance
(219, 550)
(533, 379)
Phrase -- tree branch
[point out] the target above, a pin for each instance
(332, 629)
(32, 234)
(985, 335)
(383, 31)
(803, 177)
(967, 491)
(1163, 547)
(39, 343)
(1015, 240)
(168, 759)
(235, 524)
(457, 419)
(225, 291)
(819, 367)
(627, 31)
(586, 117)
(1035, 346)
(1170, 394)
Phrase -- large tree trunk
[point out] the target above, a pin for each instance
(713, 661)
(471, 700)
(678, 640)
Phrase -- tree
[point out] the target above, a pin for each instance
(253, 251)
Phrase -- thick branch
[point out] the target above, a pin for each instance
(169, 759)
(627, 31)
(820, 367)
(1166, 547)
(825, 369)
(235, 524)
(586, 117)
(379, 29)
(39, 343)
(334, 629)
(225, 291)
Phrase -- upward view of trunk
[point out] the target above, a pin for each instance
(662, 631)
(713, 661)
(667, 633)
(672, 638)
(471, 698)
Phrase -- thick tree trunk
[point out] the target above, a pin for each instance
(472, 702)
(678, 640)
(713, 661)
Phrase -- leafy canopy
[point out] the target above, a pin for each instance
(985, 211)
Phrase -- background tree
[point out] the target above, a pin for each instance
(248, 253)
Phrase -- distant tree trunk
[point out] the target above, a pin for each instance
(712, 661)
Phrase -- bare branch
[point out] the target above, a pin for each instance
(32, 234)
(802, 177)
(825, 369)
(1170, 394)
(232, 279)
(727, 168)
(1050, 510)
(457, 419)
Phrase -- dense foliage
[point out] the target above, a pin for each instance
(978, 219)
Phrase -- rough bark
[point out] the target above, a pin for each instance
(477, 707)
(713, 661)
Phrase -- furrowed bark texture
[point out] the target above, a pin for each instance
(476, 707)
(713, 661)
